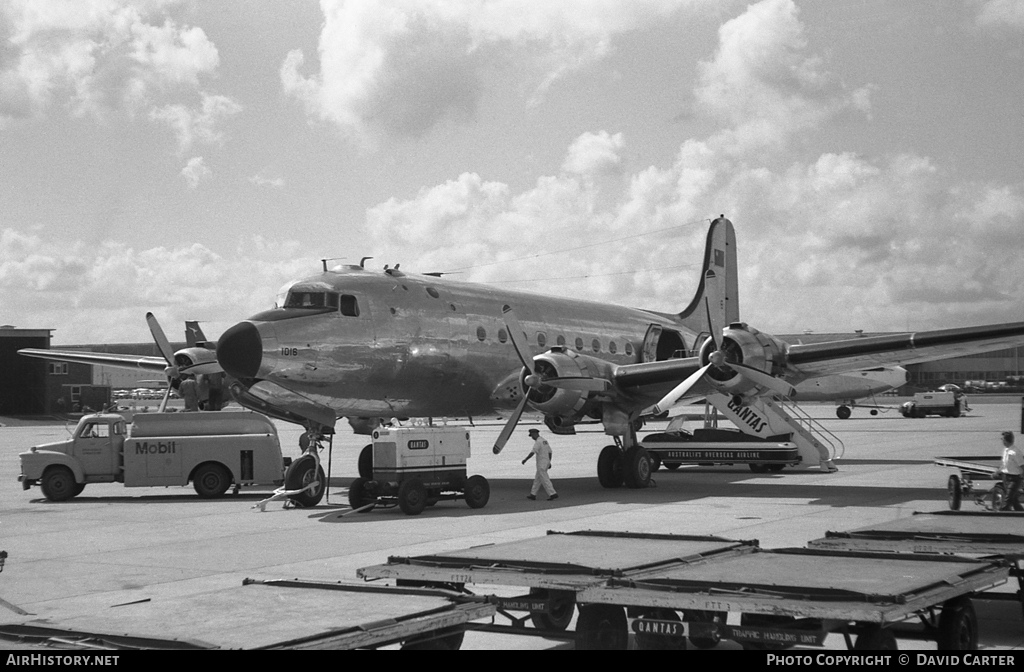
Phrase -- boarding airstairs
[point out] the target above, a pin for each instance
(765, 418)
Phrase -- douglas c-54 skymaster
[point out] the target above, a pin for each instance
(363, 344)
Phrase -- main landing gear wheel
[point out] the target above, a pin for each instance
(843, 412)
(477, 492)
(636, 467)
(953, 493)
(412, 497)
(601, 627)
(958, 626)
(58, 484)
(211, 480)
(358, 495)
(366, 462)
(609, 467)
(301, 473)
(561, 607)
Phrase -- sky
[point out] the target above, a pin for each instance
(189, 158)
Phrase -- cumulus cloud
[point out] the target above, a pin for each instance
(95, 54)
(835, 242)
(197, 125)
(1001, 14)
(101, 293)
(195, 171)
(401, 66)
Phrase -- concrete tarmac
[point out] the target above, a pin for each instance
(111, 545)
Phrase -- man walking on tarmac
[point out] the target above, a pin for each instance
(1012, 471)
(543, 452)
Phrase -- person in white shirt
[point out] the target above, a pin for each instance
(542, 451)
(1012, 471)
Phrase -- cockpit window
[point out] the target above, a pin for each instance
(319, 300)
(349, 305)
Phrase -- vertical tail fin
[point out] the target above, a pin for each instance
(194, 335)
(719, 257)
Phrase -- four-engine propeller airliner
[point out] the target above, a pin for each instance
(365, 344)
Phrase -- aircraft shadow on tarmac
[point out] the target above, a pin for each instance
(509, 495)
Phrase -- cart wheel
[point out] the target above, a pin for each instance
(358, 495)
(645, 642)
(636, 468)
(366, 462)
(672, 466)
(58, 484)
(876, 638)
(211, 480)
(758, 468)
(998, 497)
(958, 626)
(655, 462)
(601, 627)
(609, 467)
(953, 493)
(412, 497)
(477, 492)
(710, 641)
(561, 607)
(775, 468)
(301, 473)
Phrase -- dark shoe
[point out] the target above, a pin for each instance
(531, 496)
(553, 497)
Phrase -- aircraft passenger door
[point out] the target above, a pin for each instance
(649, 349)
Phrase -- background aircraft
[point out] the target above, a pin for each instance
(363, 344)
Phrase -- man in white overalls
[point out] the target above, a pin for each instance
(543, 452)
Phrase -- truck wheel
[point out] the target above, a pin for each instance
(58, 484)
(601, 627)
(561, 607)
(358, 496)
(958, 626)
(366, 462)
(412, 497)
(609, 467)
(953, 492)
(301, 473)
(636, 467)
(875, 638)
(211, 480)
(478, 491)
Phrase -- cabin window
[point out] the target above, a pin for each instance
(502, 335)
(349, 305)
(481, 334)
(560, 340)
(579, 343)
(542, 340)
(629, 348)
(433, 292)
(596, 345)
(612, 348)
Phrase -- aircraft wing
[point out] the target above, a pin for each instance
(98, 358)
(857, 354)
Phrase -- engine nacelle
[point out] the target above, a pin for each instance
(187, 357)
(564, 406)
(742, 344)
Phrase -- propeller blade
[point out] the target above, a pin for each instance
(679, 390)
(167, 395)
(579, 383)
(510, 426)
(161, 338)
(515, 334)
(774, 384)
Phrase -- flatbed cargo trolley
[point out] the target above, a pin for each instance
(732, 590)
(961, 484)
(271, 615)
(974, 534)
(554, 568)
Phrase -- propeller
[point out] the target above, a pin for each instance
(164, 346)
(718, 359)
(532, 380)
